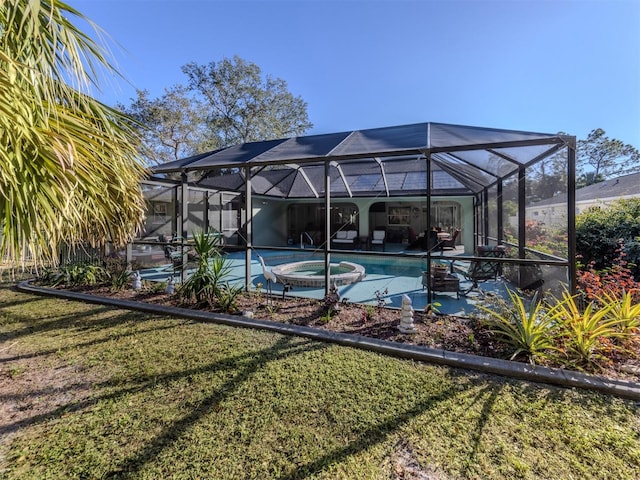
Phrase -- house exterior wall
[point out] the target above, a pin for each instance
(270, 217)
(555, 215)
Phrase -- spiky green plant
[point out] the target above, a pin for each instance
(227, 297)
(623, 309)
(119, 280)
(584, 330)
(204, 283)
(531, 329)
(206, 245)
(69, 169)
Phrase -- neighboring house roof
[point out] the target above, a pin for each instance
(624, 186)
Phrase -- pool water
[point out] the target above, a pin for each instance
(311, 270)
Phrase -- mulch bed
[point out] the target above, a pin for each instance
(452, 333)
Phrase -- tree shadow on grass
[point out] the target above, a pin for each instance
(285, 347)
(380, 432)
(36, 325)
(487, 407)
(371, 436)
(92, 343)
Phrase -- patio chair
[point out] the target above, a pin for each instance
(434, 242)
(378, 237)
(482, 270)
(173, 254)
(451, 243)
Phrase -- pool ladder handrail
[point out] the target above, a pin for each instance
(302, 239)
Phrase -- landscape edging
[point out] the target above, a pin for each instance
(523, 371)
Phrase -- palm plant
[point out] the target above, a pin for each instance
(69, 168)
(531, 329)
(204, 283)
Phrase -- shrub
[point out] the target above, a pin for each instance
(585, 333)
(614, 280)
(601, 231)
(75, 274)
(531, 329)
(204, 284)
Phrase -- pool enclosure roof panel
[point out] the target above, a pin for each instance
(388, 161)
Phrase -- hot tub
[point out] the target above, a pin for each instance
(310, 273)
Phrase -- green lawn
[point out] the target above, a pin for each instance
(171, 398)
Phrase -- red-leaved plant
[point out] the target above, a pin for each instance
(610, 282)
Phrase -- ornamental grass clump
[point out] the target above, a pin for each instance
(529, 329)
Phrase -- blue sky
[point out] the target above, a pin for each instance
(543, 66)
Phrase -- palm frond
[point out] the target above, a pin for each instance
(69, 168)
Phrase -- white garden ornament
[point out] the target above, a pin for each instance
(137, 281)
(171, 286)
(406, 316)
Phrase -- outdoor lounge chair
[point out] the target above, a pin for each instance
(482, 270)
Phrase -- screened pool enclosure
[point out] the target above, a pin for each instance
(324, 196)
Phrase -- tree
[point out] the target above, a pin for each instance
(600, 157)
(172, 125)
(223, 104)
(69, 169)
(242, 106)
(547, 178)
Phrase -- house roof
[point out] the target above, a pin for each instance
(387, 161)
(614, 188)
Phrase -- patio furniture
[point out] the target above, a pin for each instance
(451, 242)
(447, 283)
(427, 241)
(173, 253)
(363, 242)
(482, 270)
(378, 237)
(345, 239)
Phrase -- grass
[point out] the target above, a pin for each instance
(177, 399)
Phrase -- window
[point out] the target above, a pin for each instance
(399, 215)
